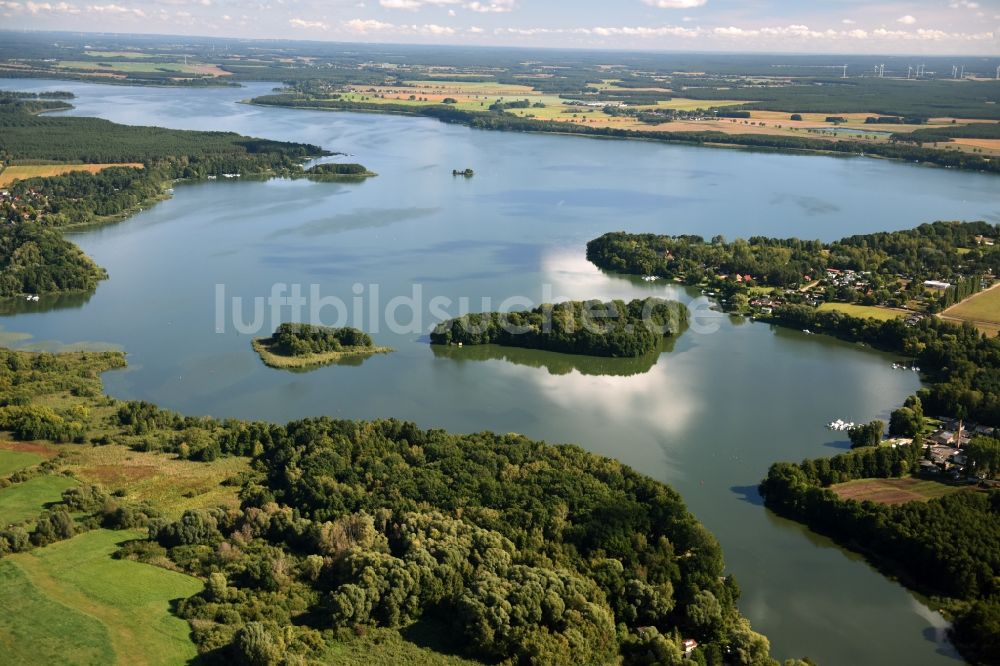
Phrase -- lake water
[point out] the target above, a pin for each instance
(708, 416)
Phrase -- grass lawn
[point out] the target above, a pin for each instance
(12, 461)
(129, 601)
(22, 172)
(870, 311)
(24, 500)
(34, 629)
(893, 491)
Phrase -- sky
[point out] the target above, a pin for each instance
(799, 26)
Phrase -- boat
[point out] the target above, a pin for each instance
(807, 331)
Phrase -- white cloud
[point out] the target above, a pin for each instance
(906, 20)
(675, 4)
(36, 7)
(432, 29)
(494, 7)
(401, 4)
(848, 21)
(488, 7)
(303, 24)
(364, 26)
(108, 9)
(963, 4)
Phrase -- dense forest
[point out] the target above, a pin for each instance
(35, 260)
(521, 552)
(948, 546)
(81, 139)
(930, 251)
(307, 339)
(615, 328)
(498, 120)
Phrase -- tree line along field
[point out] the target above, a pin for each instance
(16, 172)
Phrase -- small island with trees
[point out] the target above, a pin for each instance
(306, 345)
(468, 173)
(592, 328)
(335, 171)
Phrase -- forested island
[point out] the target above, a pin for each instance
(303, 345)
(346, 533)
(593, 328)
(338, 171)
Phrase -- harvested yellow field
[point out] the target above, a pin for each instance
(982, 310)
(22, 172)
(987, 145)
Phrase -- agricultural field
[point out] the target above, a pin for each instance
(118, 54)
(75, 604)
(143, 66)
(22, 172)
(870, 311)
(982, 310)
(22, 501)
(893, 491)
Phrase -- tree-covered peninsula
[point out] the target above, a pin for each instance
(593, 328)
(36, 260)
(341, 535)
(301, 345)
(64, 171)
(947, 547)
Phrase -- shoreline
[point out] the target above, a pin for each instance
(640, 135)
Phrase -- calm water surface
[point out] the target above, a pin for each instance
(707, 416)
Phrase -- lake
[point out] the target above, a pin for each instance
(708, 416)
